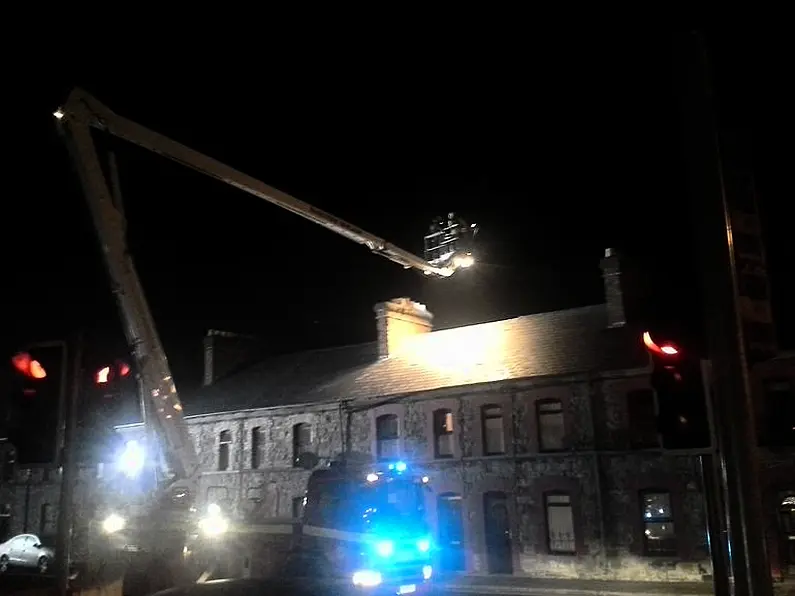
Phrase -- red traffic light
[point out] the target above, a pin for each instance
(102, 376)
(667, 349)
(29, 367)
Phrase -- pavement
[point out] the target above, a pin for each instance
(525, 586)
(485, 585)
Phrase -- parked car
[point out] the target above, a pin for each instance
(26, 550)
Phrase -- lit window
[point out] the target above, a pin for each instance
(443, 434)
(387, 436)
(659, 535)
(551, 430)
(224, 447)
(302, 440)
(493, 430)
(560, 524)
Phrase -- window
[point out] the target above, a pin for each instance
(659, 536)
(560, 524)
(387, 436)
(9, 459)
(642, 419)
(493, 430)
(5, 522)
(46, 525)
(255, 447)
(779, 413)
(551, 432)
(224, 446)
(298, 507)
(302, 440)
(443, 435)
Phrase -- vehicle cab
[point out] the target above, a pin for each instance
(368, 528)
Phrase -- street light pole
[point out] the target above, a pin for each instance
(734, 411)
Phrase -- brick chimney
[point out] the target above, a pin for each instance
(614, 291)
(226, 352)
(398, 319)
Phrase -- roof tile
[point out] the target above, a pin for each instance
(547, 344)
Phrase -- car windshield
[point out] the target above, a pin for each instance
(395, 499)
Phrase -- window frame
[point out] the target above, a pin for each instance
(548, 537)
(484, 417)
(379, 439)
(644, 521)
(298, 427)
(224, 450)
(256, 447)
(540, 415)
(440, 432)
(638, 440)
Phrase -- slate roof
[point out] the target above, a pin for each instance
(547, 344)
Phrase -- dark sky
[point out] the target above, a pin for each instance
(558, 148)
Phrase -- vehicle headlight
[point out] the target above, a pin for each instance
(213, 525)
(113, 523)
(366, 578)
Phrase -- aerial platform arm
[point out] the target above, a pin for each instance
(101, 117)
(82, 112)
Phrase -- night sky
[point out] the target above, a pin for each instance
(556, 148)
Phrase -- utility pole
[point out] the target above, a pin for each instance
(727, 346)
(69, 477)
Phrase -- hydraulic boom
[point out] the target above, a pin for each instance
(76, 118)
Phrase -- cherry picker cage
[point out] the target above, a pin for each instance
(450, 243)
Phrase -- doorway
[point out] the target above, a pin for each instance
(451, 532)
(497, 528)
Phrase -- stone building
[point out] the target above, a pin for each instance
(538, 434)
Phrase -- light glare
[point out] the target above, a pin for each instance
(366, 578)
(132, 459)
(113, 523)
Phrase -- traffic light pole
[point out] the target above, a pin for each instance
(734, 412)
(69, 477)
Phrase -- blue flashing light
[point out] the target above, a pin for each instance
(427, 572)
(424, 545)
(400, 466)
(385, 548)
